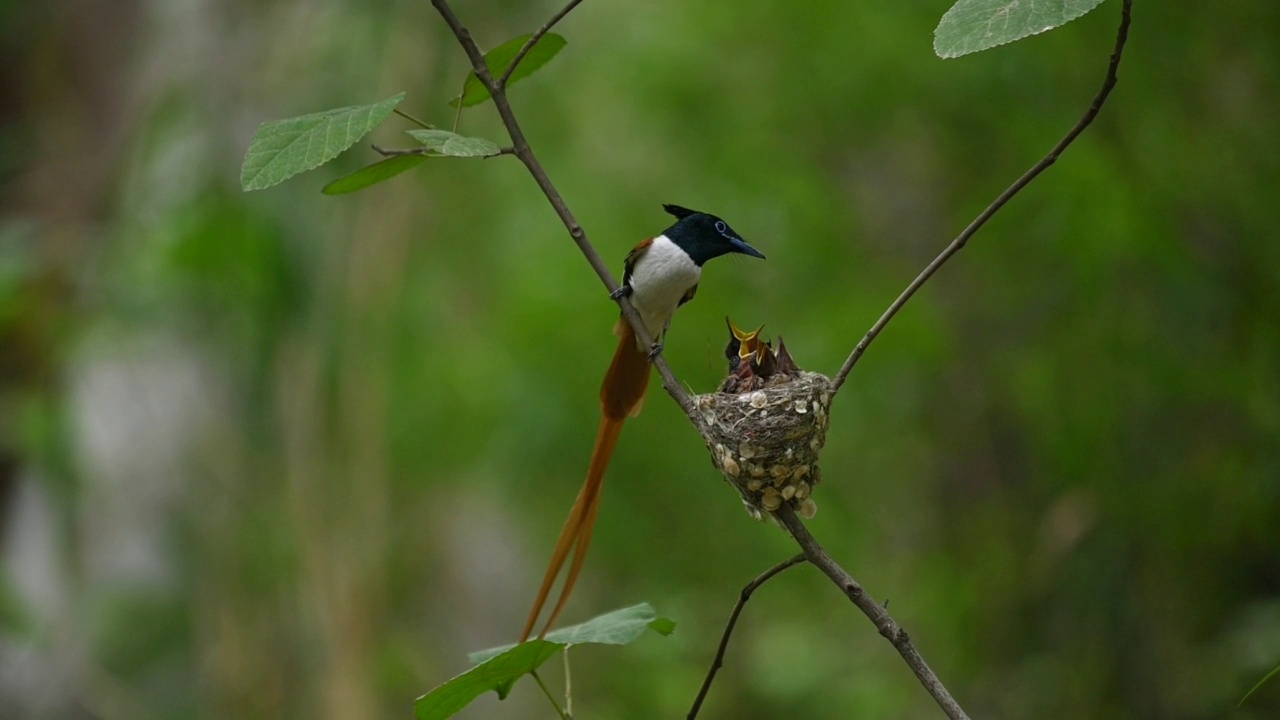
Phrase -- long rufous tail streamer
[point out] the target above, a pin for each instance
(621, 396)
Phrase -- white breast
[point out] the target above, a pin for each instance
(662, 275)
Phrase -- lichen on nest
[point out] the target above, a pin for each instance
(766, 440)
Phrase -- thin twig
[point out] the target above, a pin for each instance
(525, 153)
(412, 119)
(395, 152)
(457, 116)
(888, 627)
(718, 661)
(545, 691)
(1107, 84)
(533, 40)
(568, 684)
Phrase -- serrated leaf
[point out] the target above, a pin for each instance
(444, 142)
(497, 673)
(614, 628)
(283, 148)
(662, 626)
(373, 174)
(474, 92)
(974, 25)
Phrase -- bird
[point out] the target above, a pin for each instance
(659, 275)
(754, 364)
(786, 365)
(741, 350)
(742, 344)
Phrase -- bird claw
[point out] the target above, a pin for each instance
(621, 292)
(655, 350)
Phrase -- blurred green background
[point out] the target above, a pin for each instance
(286, 455)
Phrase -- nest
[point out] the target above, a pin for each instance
(766, 441)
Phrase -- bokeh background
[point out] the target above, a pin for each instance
(282, 455)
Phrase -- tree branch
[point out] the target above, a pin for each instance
(718, 661)
(812, 551)
(1108, 83)
(888, 627)
(533, 40)
(521, 149)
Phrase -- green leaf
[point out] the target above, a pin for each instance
(615, 628)
(497, 673)
(373, 174)
(973, 25)
(444, 142)
(662, 626)
(474, 92)
(498, 669)
(284, 148)
(1265, 678)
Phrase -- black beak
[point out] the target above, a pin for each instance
(741, 246)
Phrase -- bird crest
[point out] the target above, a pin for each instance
(680, 212)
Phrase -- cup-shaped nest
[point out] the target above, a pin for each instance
(766, 441)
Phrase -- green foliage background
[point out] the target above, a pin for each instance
(286, 455)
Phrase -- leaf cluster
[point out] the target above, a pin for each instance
(281, 149)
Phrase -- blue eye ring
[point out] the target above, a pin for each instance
(721, 227)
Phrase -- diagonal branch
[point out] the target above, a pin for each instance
(718, 661)
(888, 627)
(1108, 83)
(521, 149)
(533, 40)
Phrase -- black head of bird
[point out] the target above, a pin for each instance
(704, 236)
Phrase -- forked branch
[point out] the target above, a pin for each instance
(521, 149)
(812, 551)
(533, 40)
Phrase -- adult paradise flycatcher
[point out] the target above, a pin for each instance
(659, 275)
